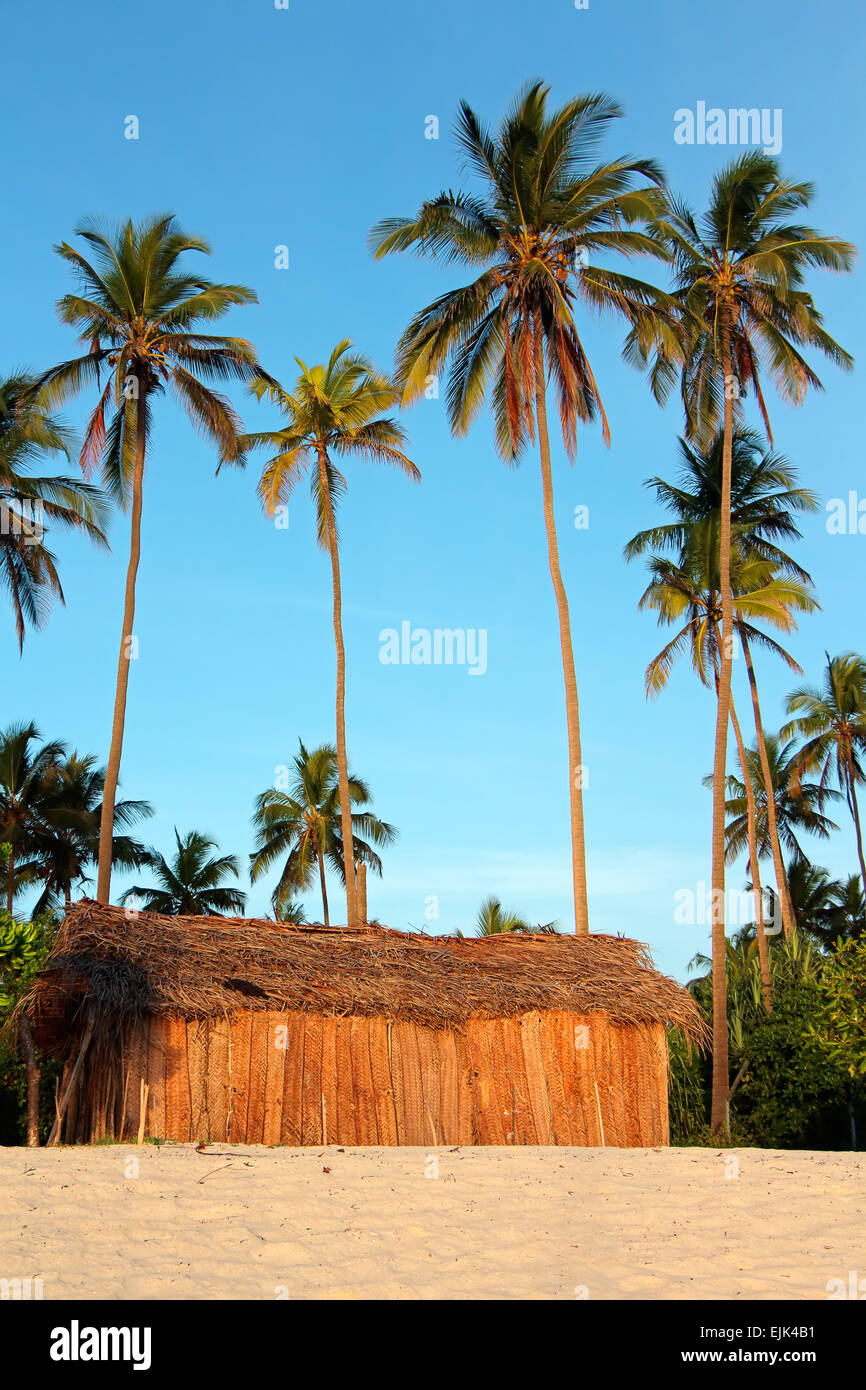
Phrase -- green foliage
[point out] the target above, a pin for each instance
(23, 949)
(839, 1027)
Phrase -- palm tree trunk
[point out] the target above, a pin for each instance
(29, 1050)
(572, 711)
(770, 793)
(342, 758)
(112, 773)
(10, 881)
(362, 891)
(721, 1079)
(763, 951)
(856, 814)
(321, 860)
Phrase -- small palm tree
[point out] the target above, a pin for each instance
(34, 802)
(690, 590)
(192, 885)
(140, 314)
(832, 722)
(546, 211)
(303, 824)
(493, 919)
(62, 855)
(333, 413)
(765, 498)
(28, 570)
(799, 804)
(739, 284)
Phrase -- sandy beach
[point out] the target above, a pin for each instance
(117, 1222)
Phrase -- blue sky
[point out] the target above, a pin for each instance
(263, 127)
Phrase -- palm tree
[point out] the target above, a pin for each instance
(739, 274)
(192, 884)
(27, 567)
(304, 822)
(832, 720)
(140, 314)
(690, 590)
(62, 855)
(799, 804)
(546, 209)
(493, 920)
(34, 802)
(764, 497)
(333, 413)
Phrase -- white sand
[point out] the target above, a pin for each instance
(496, 1223)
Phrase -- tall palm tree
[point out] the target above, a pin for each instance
(799, 804)
(63, 854)
(832, 721)
(304, 823)
(546, 211)
(333, 413)
(739, 276)
(27, 502)
(140, 314)
(192, 883)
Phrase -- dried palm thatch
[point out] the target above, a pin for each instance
(119, 967)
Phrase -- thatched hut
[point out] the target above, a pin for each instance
(230, 1030)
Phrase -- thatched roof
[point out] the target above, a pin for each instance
(120, 965)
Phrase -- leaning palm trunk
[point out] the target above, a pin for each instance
(757, 891)
(342, 758)
(770, 794)
(721, 1079)
(855, 811)
(578, 851)
(112, 772)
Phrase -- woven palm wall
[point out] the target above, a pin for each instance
(304, 1079)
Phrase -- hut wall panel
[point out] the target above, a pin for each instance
(661, 1064)
(217, 1079)
(560, 1109)
(275, 1076)
(311, 1090)
(584, 1056)
(346, 1121)
(509, 1081)
(177, 1108)
(240, 1030)
(134, 1053)
(563, 1040)
(329, 1082)
(612, 1088)
(262, 1042)
(362, 1081)
(155, 1122)
(467, 1118)
(493, 1123)
(539, 1096)
(197, 1063)
(404, 1043)
(451, 1084)
(383, 1084)
(426, 1040)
